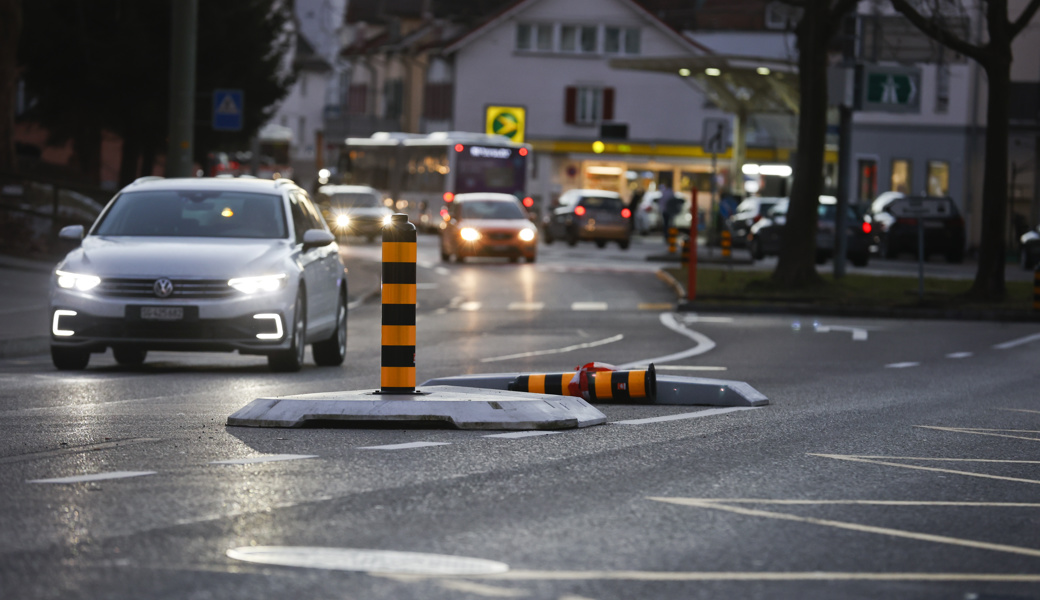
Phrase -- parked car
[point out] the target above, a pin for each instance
(1029, 248)
(589, 215)
(356, 210)
(487, 224)
(648, 214)
(202, 264)
(943, 234)
(749, 212)
(765, 235)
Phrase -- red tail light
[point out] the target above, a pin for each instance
(528, 201)
(448, 196)
(866, 228)
(459, 147)
(626, 213)
(523, 152)
(756, 218)
(444, 214)
(579, 210)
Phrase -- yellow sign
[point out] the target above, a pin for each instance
(507, 121)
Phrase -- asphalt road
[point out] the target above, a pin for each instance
(896, 458)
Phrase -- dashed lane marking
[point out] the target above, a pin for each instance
(859, 334)
(94, 477)
(706, 319)
(609, 340)
(589, 306)
(469, 306)
(263, 459)
(688, 368)
(877, 460)
(902, 365)
(407, 446)
(1019, 342)
(694, 415)
(959, 355)
(526, 305)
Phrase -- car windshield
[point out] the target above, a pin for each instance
(195, 213)
(355, 200)
(827, 212)
(490, 209)
(601, 203)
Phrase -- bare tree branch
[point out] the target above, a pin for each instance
(840, 9)
(939, 34)
(1024, 18)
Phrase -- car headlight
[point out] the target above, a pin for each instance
(256, 285)
(342, 220)
(386, 220)
(77, 281)
(469, 234)
(527, 235)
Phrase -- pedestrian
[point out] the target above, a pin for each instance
(665, 206)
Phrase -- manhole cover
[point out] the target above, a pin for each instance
(373, 561)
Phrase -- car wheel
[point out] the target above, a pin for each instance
(445, 256)
(1028, 259)
(821, 258)
(129, 357)
(601, 243)
(756, 249)
(332, 352)
(955, 256)
(572, 237)
(532, 258)
(860, 260)
(69, 359)
(292, 359)
(624, 244)
(547, 235)
(887, 250)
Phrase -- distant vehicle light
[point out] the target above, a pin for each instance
(867, 228)
(459, 147)
(448, 196)
(626, 213)
(445, 214)
(254, 285)
(528, 202)
(78, 281)
(526, 235)
(324, 173)
(469, 234)
(342, 221)
(579, 210)
(523, 152)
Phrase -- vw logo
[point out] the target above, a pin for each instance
(163, 287)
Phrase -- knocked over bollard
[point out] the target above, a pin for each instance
(601, 385)
(397, 367)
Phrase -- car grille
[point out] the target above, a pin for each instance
(500, 236)
(183, 289)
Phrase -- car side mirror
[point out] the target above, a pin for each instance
(316, 238)
(71, 232)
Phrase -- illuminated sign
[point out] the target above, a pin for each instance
(485, 152)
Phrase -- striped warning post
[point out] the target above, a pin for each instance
(397, 367)
(603, 385)
(727, 243)
(673, 233)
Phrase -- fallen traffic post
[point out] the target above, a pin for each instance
(602, 385)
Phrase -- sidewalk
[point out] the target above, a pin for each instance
(25, 291)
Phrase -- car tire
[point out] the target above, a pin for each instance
(601, 243)
(572, 237)
(860, 260)
(445, 256)
(531, 259)
(547, 235)
(129, 357)
(333, 351)
(1028, 259)
(69, 359)
(287, 361)
(955, 257)
(624, 244)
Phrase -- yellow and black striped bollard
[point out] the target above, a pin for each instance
(397, 367)
(603, 385)
(673, 232)
(727, 243)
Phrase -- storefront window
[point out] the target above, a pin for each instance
(901, 176)
(938, 178)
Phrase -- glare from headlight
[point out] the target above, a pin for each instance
(469, 234)
(527, 235)
(78, 281)
(386, 220)
(342, 221)
(255, 285)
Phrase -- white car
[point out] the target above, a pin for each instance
(202, 264)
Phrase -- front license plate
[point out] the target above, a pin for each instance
(162, 313)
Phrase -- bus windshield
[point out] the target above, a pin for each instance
(485, 169)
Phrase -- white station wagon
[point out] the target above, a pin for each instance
(202, 264)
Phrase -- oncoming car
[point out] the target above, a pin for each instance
(202, 264)
(353, 210)
(488, 224)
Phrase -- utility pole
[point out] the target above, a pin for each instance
(184, 15)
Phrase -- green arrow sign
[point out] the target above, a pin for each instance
(891, 89)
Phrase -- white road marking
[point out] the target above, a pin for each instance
(959, 355)
(1019, 342)
(602, 342)
(702, 319)
(526, 305)
(858, 333)
(920, 468)
(694, 415)
(704, 344)
(688, 368)
(469, 306)
(520, 434)
(442, 271)
(802, 502)
(681, 576)
(989, 432)
(427, 286)
(94, 477)
(902, 365)
(589, 306)
(263, 459)
(407, 446)
(374, 561)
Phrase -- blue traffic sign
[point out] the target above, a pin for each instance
(227, 110)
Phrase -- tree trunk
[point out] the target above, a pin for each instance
(797, 263)
(989, 277)
(10, 26)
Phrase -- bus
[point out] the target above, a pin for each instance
(419, 175)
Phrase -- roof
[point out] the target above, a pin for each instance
(244, 184)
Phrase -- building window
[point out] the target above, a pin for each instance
(523, 36)
(938, 178)
(631, 41)
(534, 37)
(357, 99)
(619, 40)
(589, 39)
(544, 38)
(568, 38)
(901, 181)
(437, 101)
(588, 105)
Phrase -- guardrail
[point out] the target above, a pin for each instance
(33, 210)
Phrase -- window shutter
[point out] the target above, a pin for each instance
(608, 104)
(570, 109)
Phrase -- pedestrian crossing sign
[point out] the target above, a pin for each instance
(227, 110)
(507, 121)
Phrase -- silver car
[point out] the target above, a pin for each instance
(206, 264)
